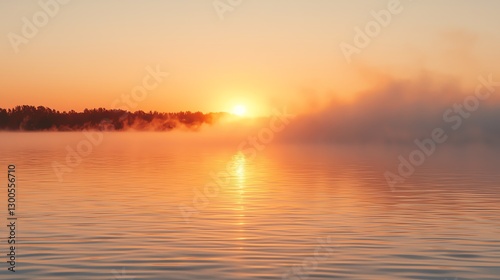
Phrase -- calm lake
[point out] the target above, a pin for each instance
(147, 206)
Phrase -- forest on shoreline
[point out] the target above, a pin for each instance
(40, 118)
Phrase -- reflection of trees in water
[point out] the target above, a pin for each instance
(33, 118)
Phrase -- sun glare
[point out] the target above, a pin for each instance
(239, 110)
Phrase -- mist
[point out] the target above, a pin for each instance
(402, 110)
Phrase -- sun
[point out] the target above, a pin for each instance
(239, 110)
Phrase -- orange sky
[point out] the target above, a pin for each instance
(261, 54)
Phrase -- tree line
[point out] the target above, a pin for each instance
(31, 118)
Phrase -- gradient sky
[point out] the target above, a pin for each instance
(263, 54)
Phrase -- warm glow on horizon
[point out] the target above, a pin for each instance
(240, 110)
(255, 62)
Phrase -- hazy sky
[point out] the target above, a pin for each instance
(263, 53)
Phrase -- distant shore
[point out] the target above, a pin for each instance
(40, 118)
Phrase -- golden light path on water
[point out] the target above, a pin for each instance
(119, 209)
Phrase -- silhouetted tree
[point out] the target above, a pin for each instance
(40, 118)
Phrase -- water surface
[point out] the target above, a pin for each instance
(134, 208)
